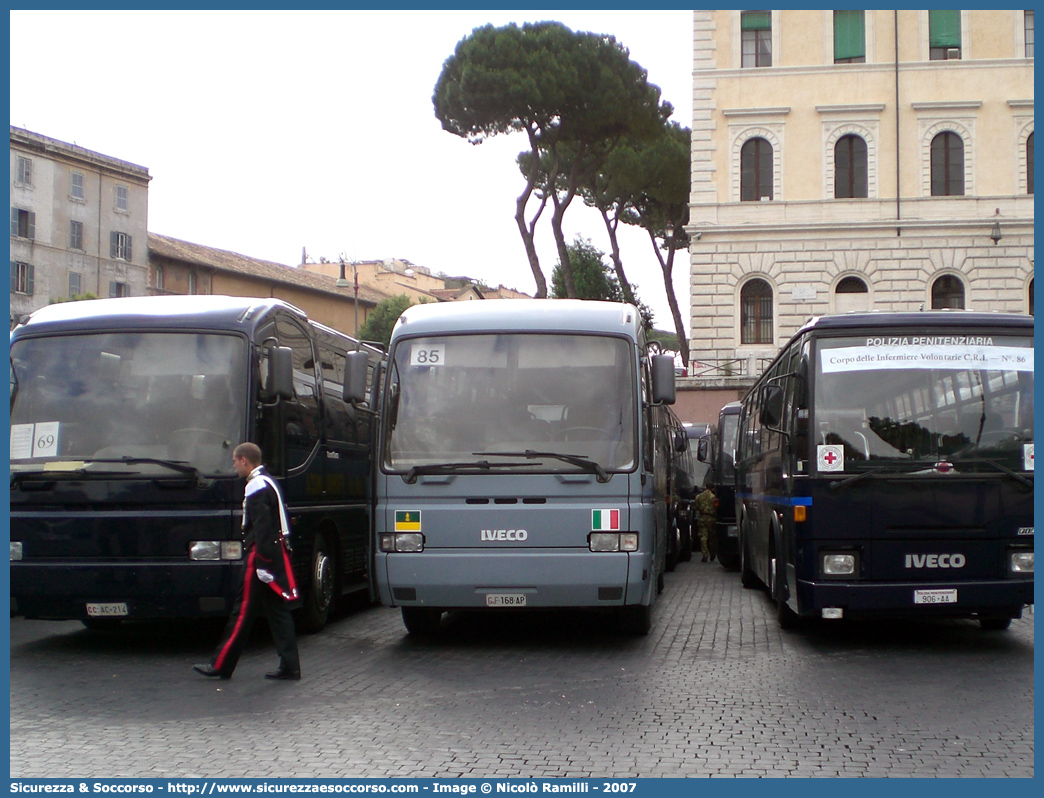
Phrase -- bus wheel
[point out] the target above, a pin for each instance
(635, 619)
(673, 544)
(994, 624)
(686, 544)
(421, 621)
(319, 595)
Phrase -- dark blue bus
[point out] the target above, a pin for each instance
(885, 467)
(124, 414)
(718, 450)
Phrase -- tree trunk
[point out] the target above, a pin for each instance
(563, 249)
(672, 301)
(527, 240)
(527, 231)
(610, 228)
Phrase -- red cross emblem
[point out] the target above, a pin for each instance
(830, 457)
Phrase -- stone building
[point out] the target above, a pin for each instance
(181, 267)
(847, 160)
(79, 222)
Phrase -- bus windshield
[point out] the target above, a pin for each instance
(166, 397)
(729, 434)
(558, 402)
(923, 400)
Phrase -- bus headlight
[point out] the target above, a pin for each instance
(215, 550)
(16, 550)
(403, 542)
(613, 541)
(838, 564)
(1019, 562)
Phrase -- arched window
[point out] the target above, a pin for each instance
(851, 296)
(850, 167)
(947, 165)
(948, 292)
(756, 313)
(1029, 164)
(1031, 296)
(755, 170)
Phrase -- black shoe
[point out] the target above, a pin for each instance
(704, 560)
(281, 673)
(206, 669)
(712, 558)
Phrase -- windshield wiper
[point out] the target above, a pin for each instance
(175, 465)
(579, 460)
(436, 468)
(1002, 468)
(894, 469)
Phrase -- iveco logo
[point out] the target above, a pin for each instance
(504, 534)
(935, 560)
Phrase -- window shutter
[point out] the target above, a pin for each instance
(32, 226)
(756, 20)
(113, 238)
(29, 275)
(14, 276)
(127, 253)
(849, 35)
(944, 28)
(14, 221)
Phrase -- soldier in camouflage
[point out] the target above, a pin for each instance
(707, 507)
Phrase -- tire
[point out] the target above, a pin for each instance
(635, 619)
(673, 546)
(319, 595)
(747, 577)
(421, 621)
(685, 555)
(102, 624)
(994, 624)
(728, 561)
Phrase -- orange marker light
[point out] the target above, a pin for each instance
(800, 512)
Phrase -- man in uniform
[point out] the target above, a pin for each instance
(268, 581)
(707, 507)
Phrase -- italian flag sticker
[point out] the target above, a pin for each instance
(605, 520)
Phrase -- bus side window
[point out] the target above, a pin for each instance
(338, 423)
(301, 415)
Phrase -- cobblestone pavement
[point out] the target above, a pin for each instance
(716, 689)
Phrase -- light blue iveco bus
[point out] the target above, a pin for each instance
(521, 461)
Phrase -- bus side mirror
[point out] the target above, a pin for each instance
(681, 441)
(703, 450)
(280, 383)
(663, 379)
(771, 406)
(355, 367)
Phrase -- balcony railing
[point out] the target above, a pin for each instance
(718, 368)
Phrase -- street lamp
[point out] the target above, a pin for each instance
(342, 282)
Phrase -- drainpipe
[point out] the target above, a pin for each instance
(898, 190)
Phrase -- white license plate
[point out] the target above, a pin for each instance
(505, 599)
(935, 596)
(111, 610)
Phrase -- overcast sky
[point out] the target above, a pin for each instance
(268, 132)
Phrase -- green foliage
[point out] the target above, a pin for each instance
(668, 341)
(378, 325)
(593, 277)
(574, 94)
(74, 298)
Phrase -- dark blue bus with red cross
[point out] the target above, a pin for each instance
(885, 467)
